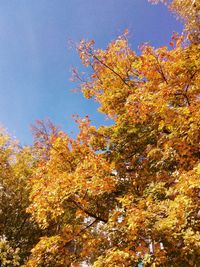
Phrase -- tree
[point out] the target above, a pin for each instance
(17, 233)
(129, 192)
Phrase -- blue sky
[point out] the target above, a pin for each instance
(35, 57)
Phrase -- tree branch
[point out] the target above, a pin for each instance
(89, 212)
(108, 67)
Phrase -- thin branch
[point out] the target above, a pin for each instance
(89, 212)
(81, 231)
(160, 69)
(108, 67)
(187, 99)
(88, 226)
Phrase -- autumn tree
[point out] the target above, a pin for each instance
(17, 233)
(126, 193)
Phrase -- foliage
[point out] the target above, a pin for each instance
(9, 257)
(18, 233)
(115, 195)
(129, 192)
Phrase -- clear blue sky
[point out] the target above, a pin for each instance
(35, 58)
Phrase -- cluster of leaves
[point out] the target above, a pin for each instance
(122, 194)
(18, 234)
(8, 256)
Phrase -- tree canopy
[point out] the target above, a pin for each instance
(126, 193)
